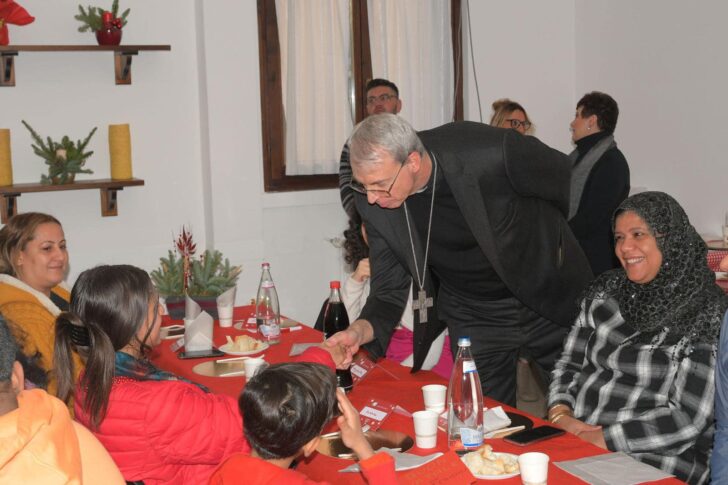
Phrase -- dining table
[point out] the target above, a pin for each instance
(387, 381)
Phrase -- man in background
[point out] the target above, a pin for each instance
(382, 96)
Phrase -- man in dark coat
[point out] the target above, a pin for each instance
(474, 217)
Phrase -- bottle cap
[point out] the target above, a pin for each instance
(464, 342)
(265, 265)
(335, 284)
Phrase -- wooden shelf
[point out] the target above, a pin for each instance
(107, 187)
(122, 57)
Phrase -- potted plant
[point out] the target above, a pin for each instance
(106, 24)
(64, 159)
(203, 278)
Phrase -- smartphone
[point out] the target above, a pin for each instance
(199, 354)
(533, 435)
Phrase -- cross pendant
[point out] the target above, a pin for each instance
(421, 304)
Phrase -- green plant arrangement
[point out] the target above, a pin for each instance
(209, 275)
(64, 159)
(92, 18)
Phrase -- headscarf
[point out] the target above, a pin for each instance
(683, 298)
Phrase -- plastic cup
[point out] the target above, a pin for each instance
(534, 468)
(252, 366)
(425, 429)
(434, 395)
(225, 315)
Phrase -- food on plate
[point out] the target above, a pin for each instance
(484, 462)
(243, 343)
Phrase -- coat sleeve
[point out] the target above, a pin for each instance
(719, 460)
(209, 429)
(672, 428)
(389, 288)
(379, 469)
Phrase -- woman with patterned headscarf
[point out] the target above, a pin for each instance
(637, 371)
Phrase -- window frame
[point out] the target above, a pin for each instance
(271, 95)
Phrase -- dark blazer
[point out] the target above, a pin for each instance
(514, 194)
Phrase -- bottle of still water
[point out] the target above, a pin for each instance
(267, 311)
(464, 401)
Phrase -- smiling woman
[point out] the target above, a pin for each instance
(33, 264)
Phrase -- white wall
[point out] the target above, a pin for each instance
(195, 121)
(524, 51)
(664, 63)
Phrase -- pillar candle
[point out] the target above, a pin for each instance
(120, 151)
(6, 166)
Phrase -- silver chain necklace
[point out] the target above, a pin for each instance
(423, 302)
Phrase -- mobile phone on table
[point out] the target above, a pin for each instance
(199, 354)
(533, 435)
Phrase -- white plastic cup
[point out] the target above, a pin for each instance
(434, 395)
(252, 366)
(534, 468)
(425, 429)
(225, 315)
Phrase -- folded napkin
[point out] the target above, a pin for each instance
(402, 461)
(227, 298)
(494, 420)
(612, 469)
(198, 327)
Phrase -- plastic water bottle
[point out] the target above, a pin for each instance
(335, 320)
(267, 311)
(464, 401)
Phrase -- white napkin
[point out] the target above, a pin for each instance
(402, 461)
(494, 419)
(612, 469)
(192, 308)
(227, 298)
(298, 349)
(198, 331)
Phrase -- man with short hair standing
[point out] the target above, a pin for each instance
(474, 217)
(382, 96)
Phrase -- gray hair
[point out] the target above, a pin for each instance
(380, 134)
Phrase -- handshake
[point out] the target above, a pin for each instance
(343, 345)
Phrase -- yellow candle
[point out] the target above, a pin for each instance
(120, 151)
(6, 166)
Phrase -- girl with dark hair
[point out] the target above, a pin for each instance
(158, 427)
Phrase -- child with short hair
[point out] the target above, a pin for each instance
(285, 407)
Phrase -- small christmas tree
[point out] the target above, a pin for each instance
(64, 159)
(92, 18)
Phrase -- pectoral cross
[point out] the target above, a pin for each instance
(421, 304)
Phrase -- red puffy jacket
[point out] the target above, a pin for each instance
(172, 432)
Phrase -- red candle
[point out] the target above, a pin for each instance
(106, 18)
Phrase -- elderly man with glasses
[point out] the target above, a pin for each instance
(382, 97)
(474, 217)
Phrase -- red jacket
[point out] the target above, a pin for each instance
(172, 432)
(243, 469)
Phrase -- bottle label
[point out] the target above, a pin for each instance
(469, 366)
(270, 329)
(471, 438)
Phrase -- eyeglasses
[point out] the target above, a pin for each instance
(356, 186)
(382, 98)
(515, 124)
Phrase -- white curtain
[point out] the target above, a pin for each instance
(315, 38)
(411, 45)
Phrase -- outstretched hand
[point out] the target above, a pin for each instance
(350, 426)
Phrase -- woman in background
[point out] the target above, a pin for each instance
(158, 427)
(637, 371)
(509, 114)
(354, 293)
(33, 265)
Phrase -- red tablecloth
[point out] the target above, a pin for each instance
(388, 381)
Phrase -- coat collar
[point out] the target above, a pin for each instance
(42, 299)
